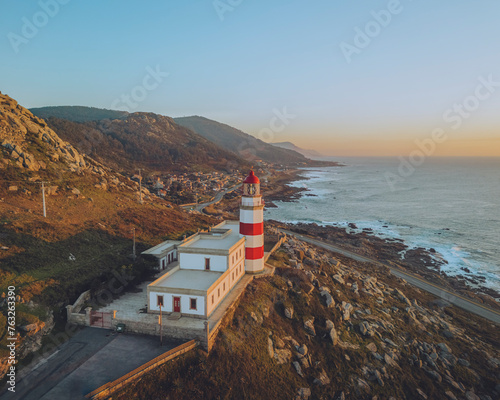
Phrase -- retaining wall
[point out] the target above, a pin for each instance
(111, 387)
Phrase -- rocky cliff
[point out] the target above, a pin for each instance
(30, 142)
(326, 327)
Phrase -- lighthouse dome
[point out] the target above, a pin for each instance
(251, 178)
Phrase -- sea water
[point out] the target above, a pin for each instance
(449, 204)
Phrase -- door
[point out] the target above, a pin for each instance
(177, 304)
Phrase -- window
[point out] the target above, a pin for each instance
(207, 264)
(212, 299)
(159, 300)
(192, 304)
(232, 259)
(233, 275)
(218, 292)
(224, 287)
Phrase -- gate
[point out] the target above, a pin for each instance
(100, 319)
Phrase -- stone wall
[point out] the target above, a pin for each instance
(73, 312)
(106, 390)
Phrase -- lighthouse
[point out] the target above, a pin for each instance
(252, 224)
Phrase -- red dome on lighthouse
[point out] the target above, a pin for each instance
(251, 178)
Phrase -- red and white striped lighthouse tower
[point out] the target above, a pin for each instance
(252, 224)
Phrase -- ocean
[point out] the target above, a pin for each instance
(449, 204)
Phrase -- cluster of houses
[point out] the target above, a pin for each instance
(198, 184)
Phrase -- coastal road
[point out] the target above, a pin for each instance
(216, 199)
(413, 279)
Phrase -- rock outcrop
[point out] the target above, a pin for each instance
(30, 143)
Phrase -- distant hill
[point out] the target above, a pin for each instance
(241, 143)
(77, 113)
(145, 140)
(304, 152)
(244, 146)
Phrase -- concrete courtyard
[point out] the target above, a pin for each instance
(88, 360)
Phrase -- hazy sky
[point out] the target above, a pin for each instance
(343, 77)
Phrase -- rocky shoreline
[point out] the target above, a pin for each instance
(419, 260)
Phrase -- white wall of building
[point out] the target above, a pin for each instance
(163, 262)
(168, 302)
(218, 292)
(197, 261)
(236, 256)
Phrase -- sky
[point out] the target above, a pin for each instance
(346, 78)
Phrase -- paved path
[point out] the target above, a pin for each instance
(85, 362)
(413, 279)
(218, 197)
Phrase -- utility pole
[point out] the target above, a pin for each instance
(161, 335)
(43, 200)
(140, 186)
(133, 249)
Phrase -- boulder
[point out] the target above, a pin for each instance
(322, 379)
(365, 329)
(304, 360)
(289, 312)
(309, 326)
(302, 349)
(303, 394)
(282, 356)
(270, 348)
(444, 348)
(390, 361)
(434, 375)
(298, 369)
(463, 362)
(278, 343)
(378, 376)
(471, 396)
(328, 299)
(332, 332)
(362, 387)
(337, 278)
(372, 347)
